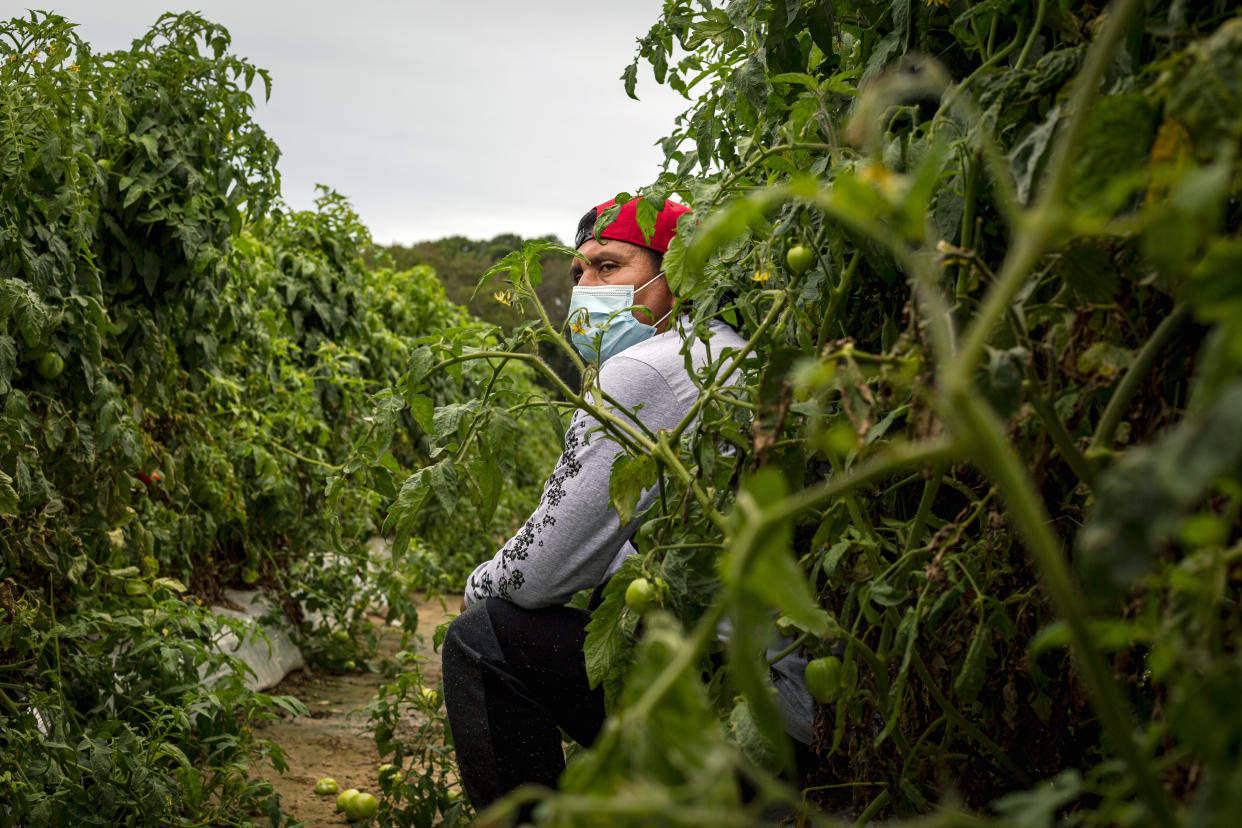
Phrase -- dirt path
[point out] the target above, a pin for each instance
(332, 740)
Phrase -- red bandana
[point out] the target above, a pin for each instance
(625, 228)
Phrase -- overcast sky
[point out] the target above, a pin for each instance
(439, 117)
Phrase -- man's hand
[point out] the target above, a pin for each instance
(463, 605)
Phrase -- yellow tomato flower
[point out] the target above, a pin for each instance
(504, 297)
(886, 182)
(761, 276)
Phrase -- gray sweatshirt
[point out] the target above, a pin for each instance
(574, 540)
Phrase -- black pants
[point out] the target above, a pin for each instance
(513, 678)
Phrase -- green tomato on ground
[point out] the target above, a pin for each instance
(363, 806)
(823, 678)
(800, 258)
(346, 797)
(325, 786)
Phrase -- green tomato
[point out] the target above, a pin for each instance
(50, 365)
(346, 797)
(340, 636)
(823, 678)
(250, 575)
(429, 696)
(325, 786)
(363, 806)
(349, 666)
(640, 596)
(387, 775)
(800, 258)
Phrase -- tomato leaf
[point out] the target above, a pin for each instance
(609, 639)
(630, 78)
(486, 476)
(631, 476)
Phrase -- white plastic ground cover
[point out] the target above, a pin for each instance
(271, 654)
(267, 648)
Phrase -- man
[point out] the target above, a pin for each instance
(514, 672)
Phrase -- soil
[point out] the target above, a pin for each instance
(333, 740)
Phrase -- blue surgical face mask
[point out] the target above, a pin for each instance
(600, 317)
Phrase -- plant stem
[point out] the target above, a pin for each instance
(553, 333)
(899, 456)
(834, 303)
(789, 648)
(971, 187)
(872, 809)
(925, 503)
(732, 367)
(1030, 39)
(1062, 438)
(704, 630)
(765, 154)
(1129, 385)
(616, 425)
(303, 457)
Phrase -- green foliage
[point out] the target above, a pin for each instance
(185, 369)
(990, 424)
(421, 788)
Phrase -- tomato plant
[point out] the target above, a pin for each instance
(427, 794)
(185, 365)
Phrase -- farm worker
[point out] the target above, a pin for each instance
(514, 671)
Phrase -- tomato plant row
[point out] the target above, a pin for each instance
(185, 367)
